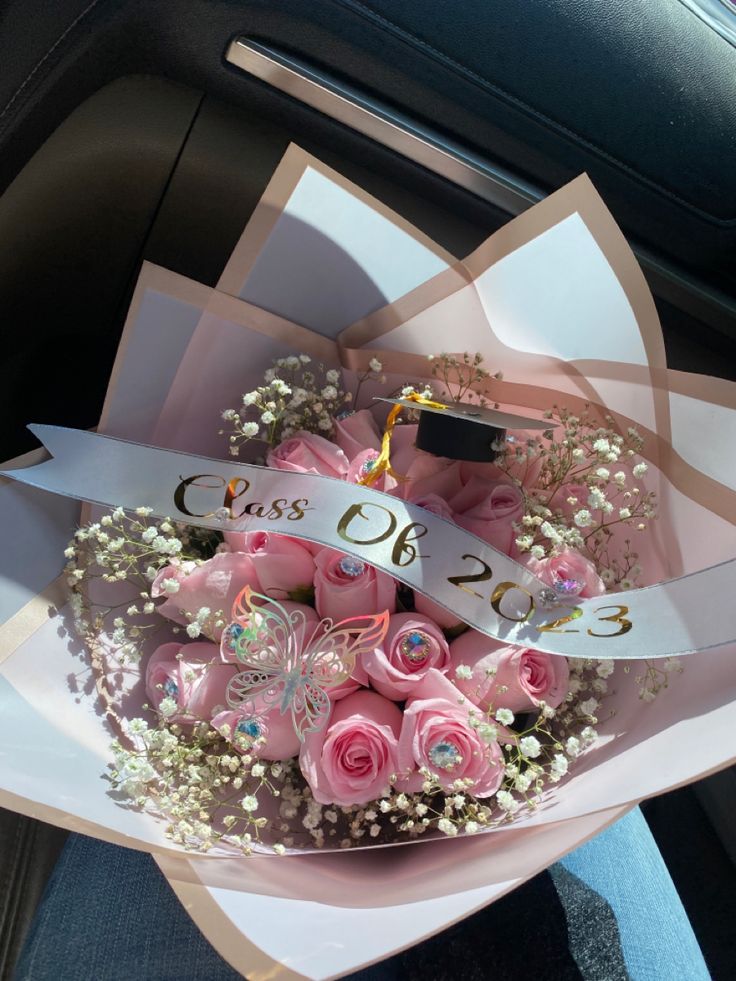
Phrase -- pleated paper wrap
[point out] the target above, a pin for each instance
(556, 300)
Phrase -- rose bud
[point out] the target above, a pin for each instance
(346, 587)
(269, 737)
(308, 453)
(196, 682)
(214, 584)
(569, 573)
(282, 564)
(528, 676)
(489, 509)
(436, 734)
(412, 645)
(352, 760)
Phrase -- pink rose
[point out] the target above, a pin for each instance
(434, 504)
(213, 584)
(443, 480)
(308, 453)
(196, 681)
(282, 564)
(360, 467)
(244, 733)
(352, 760)
(489, 509)
(529, 676)
(436, 733)
(476, 499)
(569, 572)
(412, 646)
(360, 437)
(346, 587)
(359, 432)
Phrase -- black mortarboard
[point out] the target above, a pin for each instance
(463, 431)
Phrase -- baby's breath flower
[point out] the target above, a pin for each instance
(558, 767)
(507, 802)
(588, 707)
(530, 746)
(168, 706)
(447, 827)
(583, 518)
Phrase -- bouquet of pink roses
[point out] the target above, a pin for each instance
(386, 715)
(390, 594)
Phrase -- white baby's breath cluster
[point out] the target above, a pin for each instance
(541, 746)
(208, 793)
(463, 376)
(656, 676)
(127, 551)
(214, 791)
(297, 395)
(211, 793)
(582, 482)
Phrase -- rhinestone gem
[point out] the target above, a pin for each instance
(249, 727)
(351, 566)
(415, 647)
(368, 465)
(232, 632)
(170, 688)
(567, 587)
(445, 755)
(547, 598)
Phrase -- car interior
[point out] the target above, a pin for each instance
(134, 131)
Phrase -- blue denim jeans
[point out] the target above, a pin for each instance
(608, 911)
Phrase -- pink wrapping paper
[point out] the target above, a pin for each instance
(644, 749)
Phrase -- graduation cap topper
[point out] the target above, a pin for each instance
(455, 430)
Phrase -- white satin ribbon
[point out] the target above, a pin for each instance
(481, 585)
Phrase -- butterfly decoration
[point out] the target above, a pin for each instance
(292, 663)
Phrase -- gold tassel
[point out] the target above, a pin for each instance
(383, 461)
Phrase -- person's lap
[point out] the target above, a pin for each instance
(607, 911)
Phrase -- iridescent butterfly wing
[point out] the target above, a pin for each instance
(329, 659)
(292, 663)
(266, 639)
